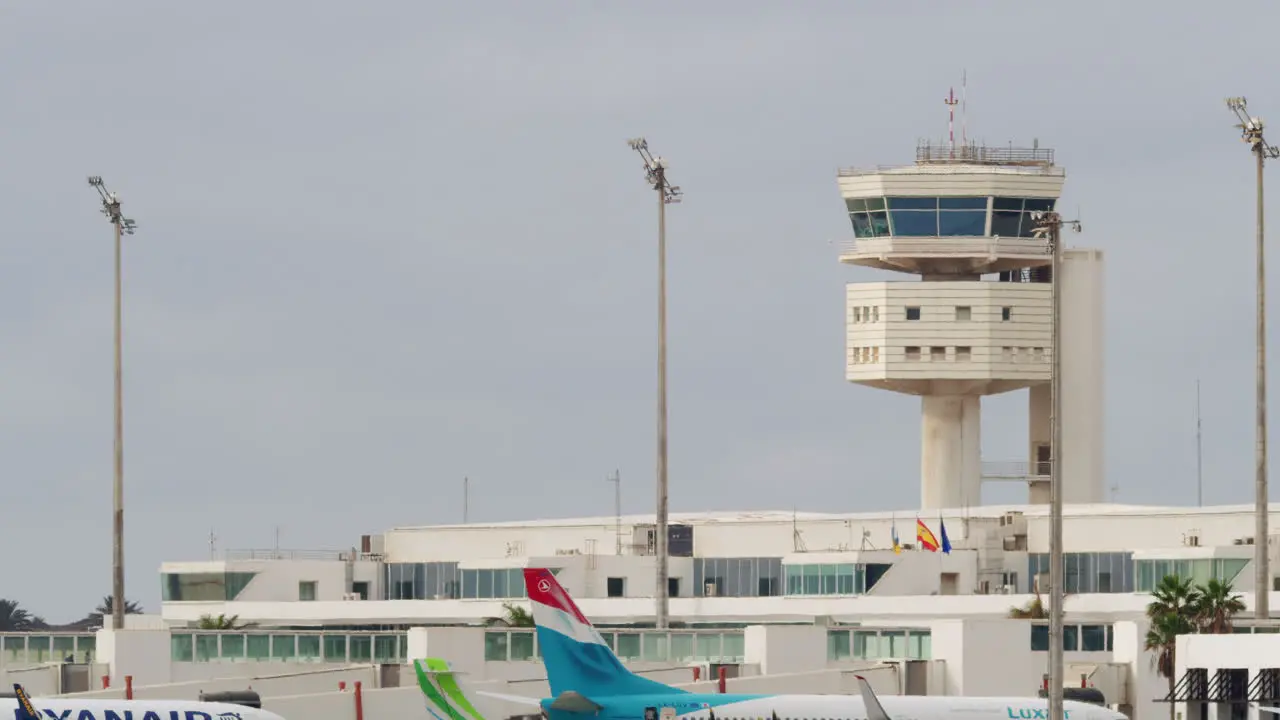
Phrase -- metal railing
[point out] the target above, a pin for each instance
(282, 554)
(928, 152)
(958, 246)
(1014, 470)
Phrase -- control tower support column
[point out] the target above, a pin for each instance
(950, 467)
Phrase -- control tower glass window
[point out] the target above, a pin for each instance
(1012, 217)
(938, 217)
(868, 216)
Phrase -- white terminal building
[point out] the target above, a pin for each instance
(784, 601)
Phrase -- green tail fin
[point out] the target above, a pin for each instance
(445, 699)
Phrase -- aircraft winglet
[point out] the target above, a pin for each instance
(875, 711)
(24, 702)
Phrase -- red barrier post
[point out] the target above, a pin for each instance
(697, 673)
(720, 672)
(359, 702)
(342, 686)
(128, 687)
(106, 681)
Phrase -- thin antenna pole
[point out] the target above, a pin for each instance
(656, 173)
(121, 225)
(1199, 453)
(617, 510)
(466, 499)
(951, 119)
(1251, 133)
(964, 107)
(212, 548)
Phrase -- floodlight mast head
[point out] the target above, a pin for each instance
(111, 206)
(1251, 129)
(655, 170)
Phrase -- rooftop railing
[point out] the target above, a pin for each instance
(928, 153)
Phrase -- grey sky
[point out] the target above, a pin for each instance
(384, 245)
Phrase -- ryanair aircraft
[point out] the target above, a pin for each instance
(28, 708)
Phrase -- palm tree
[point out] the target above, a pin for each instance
(512, 616)
(1216, 607)
(107, 607)
(14, 617)
(1033, 610)
(222, 622)
(1173, 596)
(1162, 639)
(1175, 605)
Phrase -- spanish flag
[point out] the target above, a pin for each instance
(925, 537)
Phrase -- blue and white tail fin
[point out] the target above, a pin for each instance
(577, 659)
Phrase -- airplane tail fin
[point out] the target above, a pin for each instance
(24, 703)
(576, 657)
(445, 697)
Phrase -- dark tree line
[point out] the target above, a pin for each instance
(15, 618)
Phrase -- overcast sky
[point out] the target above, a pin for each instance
(386, 245)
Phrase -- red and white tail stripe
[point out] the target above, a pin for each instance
(553, 609)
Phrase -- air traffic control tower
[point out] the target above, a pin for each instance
(977, 319)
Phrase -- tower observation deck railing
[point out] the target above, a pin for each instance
(938, 156)
(928, 153)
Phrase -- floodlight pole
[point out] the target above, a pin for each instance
(656, 173)
(1050, 223)
(1251, 133)
(122, 226)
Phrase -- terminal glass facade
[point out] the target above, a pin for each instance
(1199, 570)
(1075, 638)
(944, 216)
(833, 578)
(204, 586)
(446, 581)
(328, 647)
(27, 649)
(737, 577)
(686, 646)
(880, 644)
(1090, 572)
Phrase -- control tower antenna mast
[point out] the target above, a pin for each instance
(122, 226)
(1251, 132)
(655, 169)
(964, 107)
(951, 102)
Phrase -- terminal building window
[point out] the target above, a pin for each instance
(1089, 572)
(1199, 571)
(1075, 638)
(833, 578)
(422, 581)
(204, 587)
(737, 577)
(883, 644)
